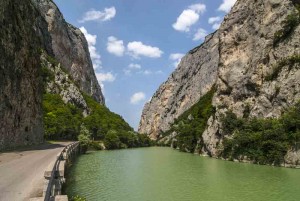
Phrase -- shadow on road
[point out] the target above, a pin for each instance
(44, 146)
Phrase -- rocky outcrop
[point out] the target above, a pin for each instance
(194, 77)
(58, 81)
(70, 48)
(20, 80)
(247, 57)
(30, 28)
(255, 38)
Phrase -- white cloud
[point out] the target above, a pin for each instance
(226, 5)
(115, 46)
(147, 72)
(137, 97)
(92, 40)
(94, 15)
(105, 77)
(131, 67)
(215, 21)
(199, 8)
(176, 57)
(186, 19)
(134, 66)
(200, 34)
(189, 17)
(216, 26)
(137, 49)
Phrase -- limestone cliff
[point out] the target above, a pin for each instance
(194, 77)
(255, 38)
(20, 83)
(70, 48)
(30, 28)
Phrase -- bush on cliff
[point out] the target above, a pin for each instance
(101, 120)
(191, 124)
(65, 121)
(61, 121)
(264, 141)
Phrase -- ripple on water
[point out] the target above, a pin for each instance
(163, 174)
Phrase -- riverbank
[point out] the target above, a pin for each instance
(244, 159)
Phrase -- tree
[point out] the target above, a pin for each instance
(84, 138)
(112, 140)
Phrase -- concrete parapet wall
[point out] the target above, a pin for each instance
(55, 174)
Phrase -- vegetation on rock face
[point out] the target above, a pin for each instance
(61, 121)
(289, 25)
(289, 61)
(264, 141)
(101, 120)
(66, 122)
(192, 123)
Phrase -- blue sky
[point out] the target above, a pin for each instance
(135, 44)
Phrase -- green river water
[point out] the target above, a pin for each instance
(163, 174)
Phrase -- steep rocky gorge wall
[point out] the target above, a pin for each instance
(247, 55)
(194, 77)
(20, 83)
(237, 59)
(70, 48)
(33, 34)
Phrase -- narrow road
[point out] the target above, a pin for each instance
(22, 172)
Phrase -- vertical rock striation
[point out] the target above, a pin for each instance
(254, 39)
(30, 27)
(194, 77)
(70, 48)
(20, 83)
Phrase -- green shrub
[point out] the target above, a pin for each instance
(84, 138)
(112, 140)
(96, 145)
(65, 121)
(265, 141)
(191, 124)
(61, 121)
(289, 25)
(289, 61)
(46, 74)
(125, 139)
(101, 120)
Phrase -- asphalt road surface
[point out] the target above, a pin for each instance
(22, 171)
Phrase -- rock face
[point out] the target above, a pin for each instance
(31, 27)
(236, 59)
(70, 48)
(60, 82)
(194, 77)
(20, 83)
